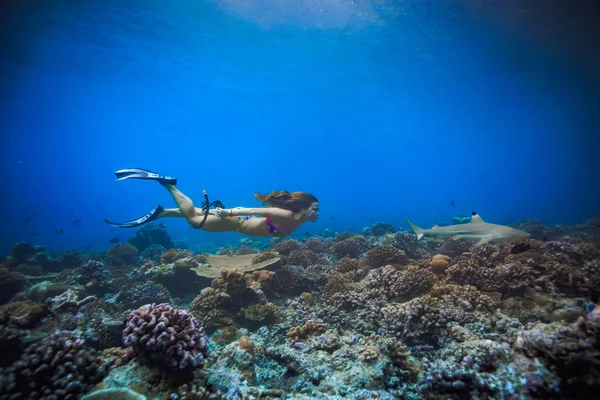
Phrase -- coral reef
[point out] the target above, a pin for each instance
(122, 255)
(304, 258)
(151, 234)
(153, 253)
(439, 263)
(301, 333)
(379, 229)
(384, 255)
(264, 313)
(102, 324)
(350, 247)
(143, 293)
(58, 366)
(287, 246)
(317, 246)
(161, 334)
(212, 308)
(11, 283)
(372, 315)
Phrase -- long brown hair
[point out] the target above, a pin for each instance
(294, 201)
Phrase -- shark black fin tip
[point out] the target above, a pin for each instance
(473, 212)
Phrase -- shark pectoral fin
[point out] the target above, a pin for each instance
(484, 241)
(419, 236)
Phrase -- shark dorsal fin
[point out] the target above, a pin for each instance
(476, 219)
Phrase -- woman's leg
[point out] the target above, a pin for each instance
(194, 216)
(170, 212)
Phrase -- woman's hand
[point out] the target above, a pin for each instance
(221, 212)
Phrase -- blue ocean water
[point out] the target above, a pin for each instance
(381, 109)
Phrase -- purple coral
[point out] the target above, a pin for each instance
(162, 334)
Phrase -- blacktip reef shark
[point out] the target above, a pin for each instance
(476, 229)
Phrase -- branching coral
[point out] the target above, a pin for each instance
(287, 246)
(173, 255)
(211, 307)
(122, 254)
(349, 247)
(143, 293)
(67, 302)
(58, 367)
(24, 314)
(403, 284)
(384, 255)
(427, 319)
(152, 234)
(414, 249)
(346, 264)
(317, 246)
(305, 258)
(266, 313)
(379, 229)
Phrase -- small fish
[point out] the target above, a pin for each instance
(332, 218)
(34, 233)
(77, 221)
(58, 231)
(451, 203)
(115, 240)
(520, 248)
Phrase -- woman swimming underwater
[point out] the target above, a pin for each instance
(286, 211)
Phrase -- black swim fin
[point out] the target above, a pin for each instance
(151, 216)
(138, 173)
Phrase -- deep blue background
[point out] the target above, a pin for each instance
(380, 109)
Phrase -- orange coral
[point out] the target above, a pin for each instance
(247, 344)
(263, 277)
(439, 263)
(231, 281)
(301, 333)
(370, 353)
(307, 298)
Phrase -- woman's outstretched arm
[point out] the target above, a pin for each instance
(267, 212)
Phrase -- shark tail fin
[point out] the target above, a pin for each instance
(420, 232)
